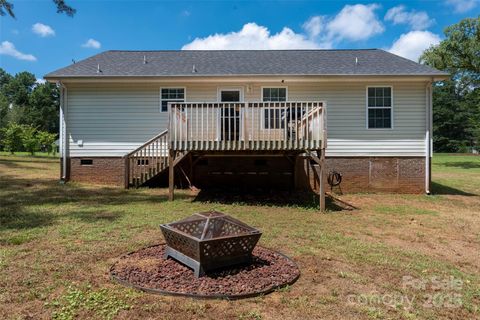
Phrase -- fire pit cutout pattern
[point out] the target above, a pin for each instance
(209, 240)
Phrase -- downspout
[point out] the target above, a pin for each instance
(428, 135)
(63, 131)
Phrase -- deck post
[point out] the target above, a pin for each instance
(296, 177)
(190, 160)
(321, 180)
(171, 174)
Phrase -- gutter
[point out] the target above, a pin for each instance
(183, 77)
(63, 131)
(428, 135)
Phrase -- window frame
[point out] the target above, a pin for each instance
(262, 125)
(274, 87)
(239, 89)
(172, 100)
(241, 96)
(368, 108)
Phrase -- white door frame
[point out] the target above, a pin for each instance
(240, 89)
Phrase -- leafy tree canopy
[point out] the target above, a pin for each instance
(456, 102)
(26, 102)
(459, 53)
(6, 7)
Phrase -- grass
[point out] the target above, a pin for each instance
(27, 154)
(58, 241)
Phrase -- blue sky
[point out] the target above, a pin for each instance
(39, 40)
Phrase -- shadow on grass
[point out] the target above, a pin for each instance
(440, 189)
(18, 196)
(463, 164)
(261, 197)
(93, 217)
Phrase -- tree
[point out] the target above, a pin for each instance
(12, 137)
(43, 107)
(4, 78)
(456, 102)
(29, 139)
(47, 141)
(26, 102)
(4, 110)
(6, 7)
(18, 89)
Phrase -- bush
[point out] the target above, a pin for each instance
(12, 137)
(30, 140)
(47, 141)
(15, 137)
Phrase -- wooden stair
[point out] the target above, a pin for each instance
(147, 161)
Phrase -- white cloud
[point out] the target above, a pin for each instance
(43, 30)
(253, 36)
(412, 44)
(418, 20)
(7, 48)
(41, 81)
(186, 13)
(355, 22)
(92, 43)
(314, 26)
(461, 6)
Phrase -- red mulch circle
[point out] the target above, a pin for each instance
(147, 270)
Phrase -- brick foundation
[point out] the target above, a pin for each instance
(108, 170)
(360, 174)
(371, 174)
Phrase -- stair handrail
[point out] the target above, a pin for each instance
(148, 142)
(131, 172)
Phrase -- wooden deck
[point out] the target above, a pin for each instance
(247, 126)
(226, 128)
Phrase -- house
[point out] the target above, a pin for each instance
(255, 118)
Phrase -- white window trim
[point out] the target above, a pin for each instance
(391, 107)
(176, 100)
(262, 115)
(273, 87)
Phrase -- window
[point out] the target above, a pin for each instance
(273, 118)
(274, 94)
(230, 95)
(379, 107)
(171, 95)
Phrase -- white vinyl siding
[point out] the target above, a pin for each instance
(113, 119)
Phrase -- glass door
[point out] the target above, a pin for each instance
(230, 115)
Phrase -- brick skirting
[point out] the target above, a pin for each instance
(360, 174)
(371, 174)
(108, 170)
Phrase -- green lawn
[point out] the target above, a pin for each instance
(27, 154)
(57, 243)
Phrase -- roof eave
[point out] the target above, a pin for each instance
(53, 78)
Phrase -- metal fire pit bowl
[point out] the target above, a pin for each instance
(209, 240)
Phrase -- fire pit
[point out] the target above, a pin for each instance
(209, 240)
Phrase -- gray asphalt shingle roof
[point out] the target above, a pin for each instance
(243, 62)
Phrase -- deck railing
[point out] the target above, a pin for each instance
(223, 126)
(147, 160)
